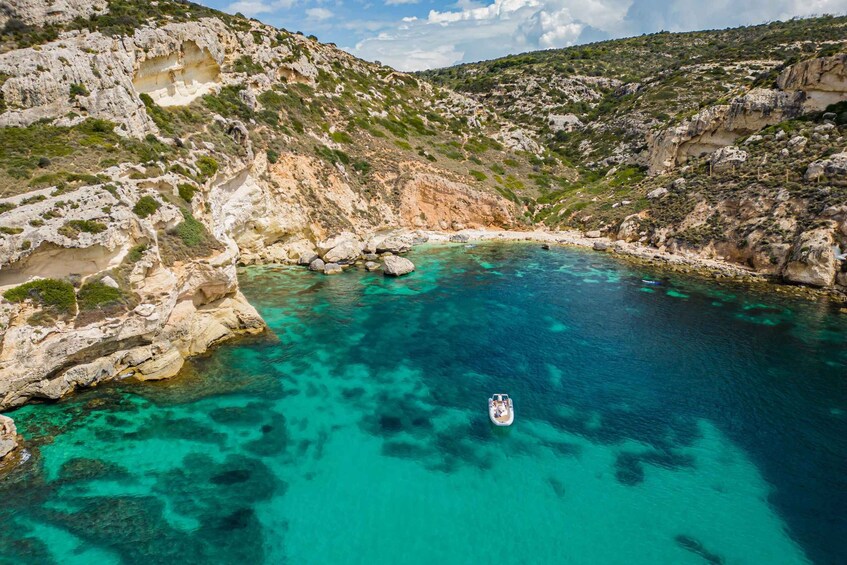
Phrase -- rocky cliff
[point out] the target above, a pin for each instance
(723, 144)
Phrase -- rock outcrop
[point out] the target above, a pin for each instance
(395, 266)
(822, 80)
(8, 436)
(40, 12)
(813, 260)
(834, 166)
(719, 126)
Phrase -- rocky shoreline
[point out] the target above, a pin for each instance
(684, 263)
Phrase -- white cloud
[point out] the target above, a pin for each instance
(472, 31)
(318, 14)
(252, 8)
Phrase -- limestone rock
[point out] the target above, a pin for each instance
(460, 238)
(564, 122)
(822, 80)
(833, 166)
(41, 12)
(372, 266)
(813, 261)
(8, 436)
(110, 282)
(600, 246)
(657, 193)
(162, 366)
(396, 266)
(593, 234)
(728, 158)
(332, 269)
(317, 265)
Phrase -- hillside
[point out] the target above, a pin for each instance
(145, 150)
(735, 136)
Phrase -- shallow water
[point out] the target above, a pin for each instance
(675, 423)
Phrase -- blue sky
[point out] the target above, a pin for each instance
(420, 34)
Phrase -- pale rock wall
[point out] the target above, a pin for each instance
(808, 86)
(39, 12)
(823, 80)
(719, 126)
(176, 79)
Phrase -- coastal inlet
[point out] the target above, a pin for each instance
(669, 421)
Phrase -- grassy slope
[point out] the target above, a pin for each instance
(676, 74)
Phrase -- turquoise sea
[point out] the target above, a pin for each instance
(685, 422)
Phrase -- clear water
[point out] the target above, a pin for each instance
(682, 423)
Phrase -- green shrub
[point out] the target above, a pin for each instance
(191, 232)
(6, 206)
(73, 228)
(96, 294)
(186, 191)
(362, 166)
(245, 64)
(10, 231)
(47, 293)
(333, 155)
(273, 156)
(135, 254)
(341, 137)
(78, 90)
(207, 166)
(159, 115)
(146, 206)
(478, 175)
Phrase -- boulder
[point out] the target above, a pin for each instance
(396, 266)
(545, 246)
(370, 257)
(307, 258)
(332, 269)
(629, 228)
(798, 143)
(110, 282)
(833, 166)
(8, 436)
(345, 252)
(657, 193)
(600, 246)
(394, 244)
(728, 158)
(593, 234)
(343, 247)
(372, 266)
(460, 238)
(564, 122)
(317, 265)
(813, 260)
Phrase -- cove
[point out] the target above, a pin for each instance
(684, 422)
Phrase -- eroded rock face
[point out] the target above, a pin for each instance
(823, 80)
(813, 261)
(431, 201)
(719, 126)
(40, 12)
(179, 77)
(8, 436)
(173, 307)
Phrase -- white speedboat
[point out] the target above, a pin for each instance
(500, 410)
